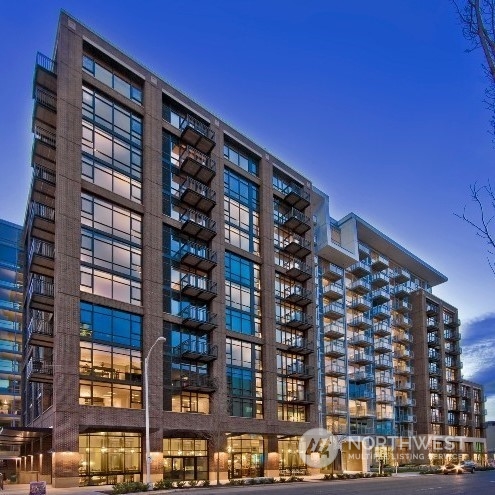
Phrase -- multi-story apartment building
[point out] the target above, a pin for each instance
(10, 332)
(150, 217)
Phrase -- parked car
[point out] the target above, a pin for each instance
(458, 468)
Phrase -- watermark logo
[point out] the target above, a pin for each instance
(318, 448)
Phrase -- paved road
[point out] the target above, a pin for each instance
(481, 483)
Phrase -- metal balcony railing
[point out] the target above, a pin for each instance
(45, 98)
(46, 63)
(43, 134)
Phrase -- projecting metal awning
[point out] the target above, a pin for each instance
(19, 435)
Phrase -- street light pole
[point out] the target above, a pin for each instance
(147, 411)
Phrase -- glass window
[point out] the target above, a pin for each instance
(125, 88)
(247, 162)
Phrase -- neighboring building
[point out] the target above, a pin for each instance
(167, 222)
(10, 332)
(490, 439)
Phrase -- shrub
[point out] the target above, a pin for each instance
(193, 483)
(205, 483)
(130, 487)
(181, 484)
(164, 485)
(282, 480)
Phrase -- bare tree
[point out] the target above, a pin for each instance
(484, 199)
(478, 27)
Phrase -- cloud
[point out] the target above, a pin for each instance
(478, 356)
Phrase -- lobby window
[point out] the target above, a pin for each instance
(111, 78)
(105, 455)
(241, 211)
(185, 459)
(242, 294)
(244, 378)
(241, 158)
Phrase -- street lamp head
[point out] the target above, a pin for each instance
(159, 339)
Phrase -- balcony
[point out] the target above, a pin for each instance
(39, 331)
(360, 339)
(361, 377)
(334, 330)
(383, 346)
(360, 358)
(434, 356)
(300, 371)
(404, 386)
(404, 354)
(335, 349)
(41, 220)
(295, 294)
(335, 370)
(197, 134)
(333, 310)
(360, 303)
(335, 391)
(405, 418)
(332, 272)
(432, 324)
(383, 362)
(198, 351)
(452, 322)
(361, 322)
(431, 309)
(381, 329)
(362, 412)
(198, 287)
(360, 429)
(404, 369)
(399, 275)
(298, 270)
(333, 291)
(452, 335)
(360, 268)
(337, 409)
(405, 402)
(434, 371)
(380, 312)
(435, 387)
(195, 383)
(197, 165)
(380, 296)
(45, 107)
(296, 196)
(298, 397)
(379, 262)
(433, 340)
(360, 286)
(197, 256)
(38, 370)
(196, 195)
(402, 290)
(379, 280)
(401, 306)
(384, 379)
(43, 182)
(45, 143)
(385, 398)
(40, 293)
(198, 225)
(299, 345)
(296, 245)
(402, 338)
(402, 322)
(41, 257)
(295, 220)
(198, 318)
(297, 320)
(45, 72)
